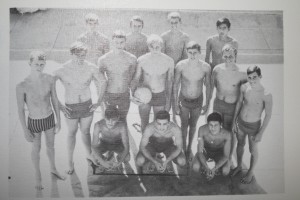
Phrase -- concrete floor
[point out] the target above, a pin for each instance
(260, 35)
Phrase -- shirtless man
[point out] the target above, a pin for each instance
(157, 138)
(76, 76)
(254, 99)
(38, 92)
(111, 135)
(119, 67)
(96, 42)
(157, 72)
(191, 74)
(136, 41)
(227, 78)
(175, 42)
(213, 143)
(215, 43)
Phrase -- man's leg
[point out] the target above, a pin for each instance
(49, 138)
(241, 138)
(85, 125)
(144, 111)
(196, 165)
(72, 130)
(253, 160)
(184, 116)
(35, 157)
(194, 116)
(140, 161)
(228, 120)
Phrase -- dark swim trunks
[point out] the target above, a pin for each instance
(250, 128)
(159, 147)
(80, 110)
(39, 125)
(158, 99)
(116, 146)
(118, 100)
(226, 110)
(213, 153)
(190, 103)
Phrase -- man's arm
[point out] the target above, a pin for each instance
(21, 111)
(238, 107)
(186, 41)
(106, 46)
(144, 142)
(125, 141)
(214, 82)
(208, 83)
(201, 148)
(176, 86)
(169, 84)
(132, 70)
(55, 104)
(268, 102)
(136, 78)
(208, 50)
(178, 144)
(101, 84)
(95, 144)
(226, 152)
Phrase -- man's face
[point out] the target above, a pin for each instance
(119, 43)
(253, 79)
(110, 123)
(155, 47)
(193, 54)
(38, 65)
(214, 127)
(80, 55)
(136, 26)
(92, 25)
(228, 57)
(162, 125)
(175, 23)
(223, 30)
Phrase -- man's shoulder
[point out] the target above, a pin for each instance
(165, 34)
(144, 57)
(185, 36)
(90, 66)
(182, 63)
(174, 127)
(212, 38)
(102, 36)
(205, 65)
(219, 67)
(130, 55)
(167, 58)
(21, 85)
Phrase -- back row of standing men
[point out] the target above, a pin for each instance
(121, 71)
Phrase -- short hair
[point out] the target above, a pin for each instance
(163, 114)
(91, 17)
(153, 38)
(193, 45)
(215, 116)
(225, 21)
(253, 69)
(229, 48)
(111, 112)
(174, 15)
(119, 34)
(79, 46)
(38, 55)
(138, 19)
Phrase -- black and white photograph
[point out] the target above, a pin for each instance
(145, 102)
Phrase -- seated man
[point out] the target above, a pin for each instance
(157, 138)
(214, 142)
(111, 135)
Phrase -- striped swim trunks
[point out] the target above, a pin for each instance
(39, 125)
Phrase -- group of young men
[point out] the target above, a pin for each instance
(170, 67)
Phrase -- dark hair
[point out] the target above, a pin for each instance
(111, 112)
(253, 69)
(193, 45)
(163, 114)
(119, 34)
(223, 20)
(215, 116)
(138, 19)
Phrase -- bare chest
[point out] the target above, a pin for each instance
(194, 73)
(254, 97)
(229, 78)
(76, 76)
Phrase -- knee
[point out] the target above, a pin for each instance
(181, 161)
(72, 132)
(85, 131)
(225, 169)
(196, 167)
(241, 143)
(253, 149)
(140, 160)
(127, 158)
(50, 145)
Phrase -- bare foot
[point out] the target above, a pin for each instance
(39, 185)
(247, 178)
(55, 173)
(71, 169)
(93, 160)
(237, 170)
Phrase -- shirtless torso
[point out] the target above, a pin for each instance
(136, 43)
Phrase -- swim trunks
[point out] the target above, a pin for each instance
(116, 146)
(226, 110)
(39, 125)
(190, 103)
(118, 100)
(212, 153)
(250, 128)
(158, 147)
(158, 99)
(80, 110)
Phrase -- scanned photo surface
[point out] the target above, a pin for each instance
(142, 102)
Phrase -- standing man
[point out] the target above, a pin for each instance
(96, 42)
(136, 41)
(76, 76)
(38, 92)
(157, 72)
(227, 78)
(157, 138)
(214, 142)
(254, 99)
(191, 74)
(175, 42)
(215, 43)
(119, 67)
